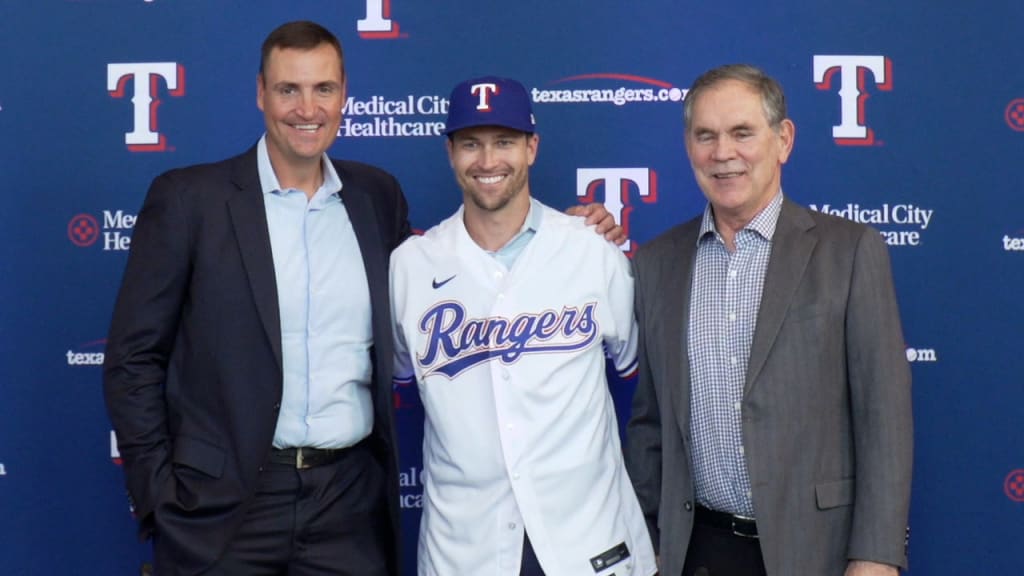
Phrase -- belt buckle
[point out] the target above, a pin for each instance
(736, 532)
(300, 461)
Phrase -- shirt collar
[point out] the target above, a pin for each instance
(530, 224)
(533, 218)
(268, 179)
(763, 223)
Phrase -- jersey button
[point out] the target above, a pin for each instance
(511, 525)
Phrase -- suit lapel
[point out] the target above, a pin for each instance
(792, 246)
(678, 284)
(249, 217)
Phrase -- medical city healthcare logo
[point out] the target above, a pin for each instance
(1014, 485)
(624, 89)
(145, 79)
(377, 116)
(853, 71)
(899, 224)
(411, 482)
(1015, 114)
(84, 230)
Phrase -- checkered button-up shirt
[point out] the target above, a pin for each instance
(726, 296)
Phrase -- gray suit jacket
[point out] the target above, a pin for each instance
(827, 425)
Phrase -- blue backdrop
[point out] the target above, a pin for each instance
(909, 115)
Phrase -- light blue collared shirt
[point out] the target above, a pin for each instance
(508, 253)
(324, 300)
(724, 302)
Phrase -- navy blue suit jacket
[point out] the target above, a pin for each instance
(193, 374)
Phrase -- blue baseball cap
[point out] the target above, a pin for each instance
(489, 101)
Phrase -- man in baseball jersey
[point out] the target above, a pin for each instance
(503, 313)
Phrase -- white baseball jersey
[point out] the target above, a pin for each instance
(520, 427)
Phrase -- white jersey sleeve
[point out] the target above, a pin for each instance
(403, 366)
(621, 347)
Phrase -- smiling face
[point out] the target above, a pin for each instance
(736, 155)
(492, 165)
(301, 94)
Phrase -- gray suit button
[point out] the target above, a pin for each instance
(688, 506)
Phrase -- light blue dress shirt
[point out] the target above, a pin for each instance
(725, 300)
(508, 253)
(324, 300)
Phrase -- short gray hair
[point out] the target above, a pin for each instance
(772, 98)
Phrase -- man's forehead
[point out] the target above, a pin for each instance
(280, 55)
(728, 107)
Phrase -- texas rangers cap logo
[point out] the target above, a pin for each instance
(484, 90)
(490, 101)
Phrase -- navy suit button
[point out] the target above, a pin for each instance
(688, 506)
(277, 407)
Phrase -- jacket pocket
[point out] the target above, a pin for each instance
(199, 455)
(834, 494)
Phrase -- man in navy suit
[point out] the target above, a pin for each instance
(248, 366)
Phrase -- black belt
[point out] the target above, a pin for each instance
(306, 457)
(738, 525)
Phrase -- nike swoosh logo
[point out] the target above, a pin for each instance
(437, 284)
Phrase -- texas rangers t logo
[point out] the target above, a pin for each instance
(852, 129)
(618, 183)
(456, 343)
(144, 136)
(484, 91)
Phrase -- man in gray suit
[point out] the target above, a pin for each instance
(771, 430)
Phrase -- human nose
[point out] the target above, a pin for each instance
(488, 157)
(724, 149)
(305, 106)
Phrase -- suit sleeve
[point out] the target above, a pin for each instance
(400, 215)
(879, 380)
(643, 432)
(142, 333)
